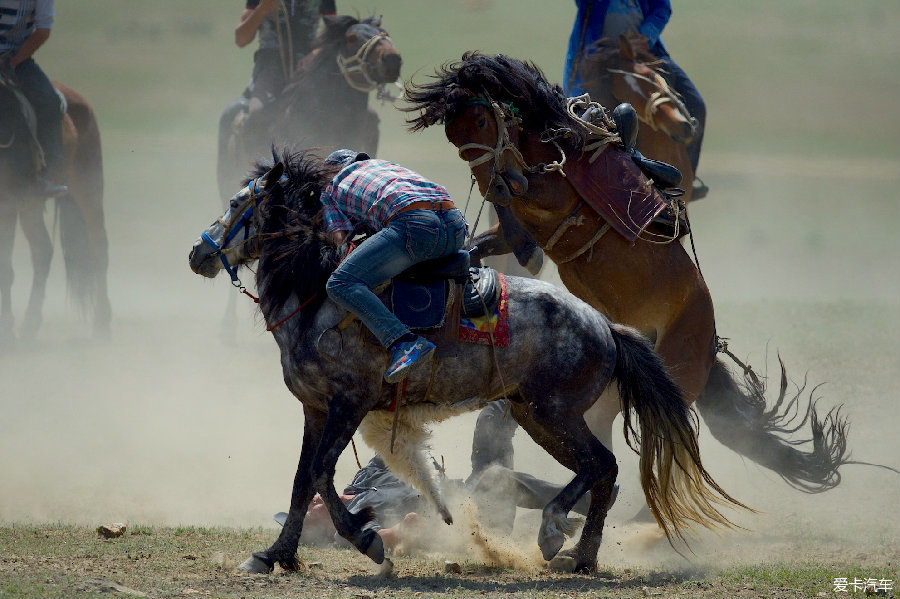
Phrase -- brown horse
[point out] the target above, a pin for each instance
(325, 104)
(80, 212)
(615, 72)
(516, 131)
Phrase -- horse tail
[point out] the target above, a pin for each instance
(678, 489)
(736, 415)
(80, 213)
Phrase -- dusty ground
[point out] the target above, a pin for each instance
(174, 424)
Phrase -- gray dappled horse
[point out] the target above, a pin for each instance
(562, 356)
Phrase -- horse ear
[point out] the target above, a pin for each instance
(376, 21)
(274, 175)
(625, 47)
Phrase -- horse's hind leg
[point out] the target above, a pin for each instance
(284, 550)
(557, 426)
(31, 214)
(8, 216)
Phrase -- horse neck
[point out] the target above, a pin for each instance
(550, 198)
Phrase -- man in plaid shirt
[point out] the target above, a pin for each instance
(410, 219)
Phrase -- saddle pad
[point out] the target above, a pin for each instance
(615, 187)
(492, 329)
(419, 305)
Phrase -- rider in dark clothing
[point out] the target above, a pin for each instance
(24, 27)
(286, 31)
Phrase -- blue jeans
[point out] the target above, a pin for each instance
(693, 101)
(409, 238)
(40, 92)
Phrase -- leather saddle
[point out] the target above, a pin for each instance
(665, 176)
(422, 296)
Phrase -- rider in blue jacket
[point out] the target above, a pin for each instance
(611, 18)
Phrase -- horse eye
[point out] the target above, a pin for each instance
(234, 204)
(482, 122)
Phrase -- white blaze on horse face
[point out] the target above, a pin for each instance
(634, 85)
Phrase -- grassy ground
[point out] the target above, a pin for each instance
(170, 427)
(74, 562)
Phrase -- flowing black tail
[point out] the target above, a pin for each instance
(737, 415)
(678, 489)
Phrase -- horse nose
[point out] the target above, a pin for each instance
(391, 64)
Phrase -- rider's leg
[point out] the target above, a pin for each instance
(410, 238)
(682, 84)
(268, 82)
(46, 104)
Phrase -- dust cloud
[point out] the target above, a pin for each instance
(182, 418)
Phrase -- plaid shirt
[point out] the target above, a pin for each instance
(370, 192)
(20, 18)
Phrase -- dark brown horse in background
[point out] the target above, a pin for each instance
(326, 103)
(616, 71)
(80, 212)
(514, 128)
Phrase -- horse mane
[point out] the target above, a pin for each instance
(540, 104)
(296, 255)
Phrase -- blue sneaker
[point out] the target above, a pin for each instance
(406, 357)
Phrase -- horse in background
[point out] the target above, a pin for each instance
(325, 104)
(616, 71)
(562, 357)
(80, 212)
(524, 145)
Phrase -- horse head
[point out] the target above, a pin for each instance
(366, 55)
(233, 239)
(503, 116)
(639, 83)
(485, 134)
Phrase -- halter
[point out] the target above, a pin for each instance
(355, 69)
(665, 95)
(246, 215)
(506, 116)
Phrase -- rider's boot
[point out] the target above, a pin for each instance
(408, 355)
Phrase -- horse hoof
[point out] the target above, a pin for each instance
(387, 568)
(562, 563)
(551, 541)
(254, 565)
(375, 550)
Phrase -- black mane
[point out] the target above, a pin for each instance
(296, 254)
(541, 105)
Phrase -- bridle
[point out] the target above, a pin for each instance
(245, 216)
(355, 69)
(506, 116)
(664, 95)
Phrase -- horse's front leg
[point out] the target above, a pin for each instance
(284, 550)
(31, 215)
(8, 221)
(508, 236)
(344, 416)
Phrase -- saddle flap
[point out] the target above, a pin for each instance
(617, 189)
